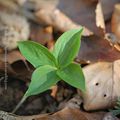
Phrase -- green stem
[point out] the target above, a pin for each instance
(19, 104)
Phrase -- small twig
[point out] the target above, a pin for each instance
(6, 76)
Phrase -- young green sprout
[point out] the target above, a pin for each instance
(51, 67)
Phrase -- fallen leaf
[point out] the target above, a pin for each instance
(65, 114)
(17, 66)
(100, 22)
(42, 35)
(115, 22)
(113, 40)
(54, 17)
(95, 49)
(81, 11)
(102, 85)
(76, 114)
(10, 70)
(12, 56)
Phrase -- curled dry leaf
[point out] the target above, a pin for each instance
(102, 85)
(100, 22)
(13, 57)
(78, 12)
(58, 20)
(17, 66)
(65, 114)
(113, 40)
(95, 48)
(115, 23)
(82, 11)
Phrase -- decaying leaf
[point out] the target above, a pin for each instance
(95, 48)
(102, 85)
(40, 34)
(65, 114)
(82, 11)
(58, 20)
(17, 66)
(115, 23)
(100, 22)
(9, 69)
(12, 57)
(113, 40)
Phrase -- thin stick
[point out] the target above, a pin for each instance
(6, 76)
(19, 104)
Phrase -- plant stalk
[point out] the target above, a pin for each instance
(19, 104)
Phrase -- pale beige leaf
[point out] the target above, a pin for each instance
(115, 22)
(57, 19)
(100, 22)
(102, 85)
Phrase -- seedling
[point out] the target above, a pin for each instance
(54, 66)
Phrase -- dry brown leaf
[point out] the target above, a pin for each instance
(113, 40)
(17, 66)
(115, 23)
(12, 56)
(100, 22)
(83, 11)
(97, 49)
(102, 85)
(40, 34)
(58, 20)
(78, 12)
(65, 114)
(9, 69)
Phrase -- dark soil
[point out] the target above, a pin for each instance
(42, 103)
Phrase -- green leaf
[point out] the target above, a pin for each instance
(36, 54)
(42, 79)
(73, 75)
(67, 47)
